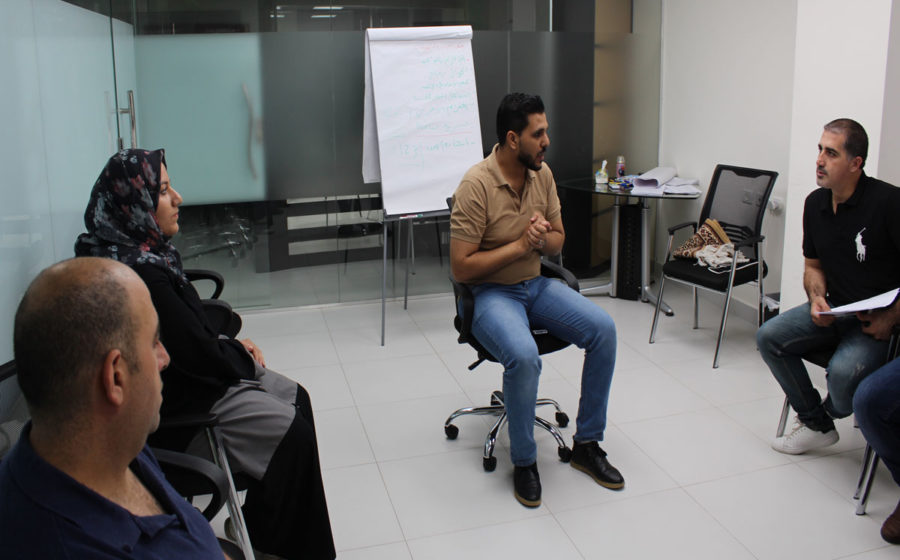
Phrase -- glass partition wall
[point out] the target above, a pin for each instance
(58, 105)
(259, 105)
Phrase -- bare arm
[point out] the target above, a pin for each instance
(468, 263)
(814, 284)
(554, 238)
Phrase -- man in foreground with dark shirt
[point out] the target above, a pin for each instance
(80, 482)
(851, 245)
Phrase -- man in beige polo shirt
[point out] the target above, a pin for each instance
(506, 215)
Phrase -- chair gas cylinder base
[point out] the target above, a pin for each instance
(498, 409)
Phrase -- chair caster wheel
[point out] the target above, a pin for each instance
(562, 419)
(451, 431)
(565, 454)
(489, 463)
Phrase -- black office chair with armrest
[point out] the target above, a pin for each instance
(737, 198)
(13, 410)
(546, 343)
(195, 275)
(190, 484)
(227, 323)
(192, 473)
(219, 313)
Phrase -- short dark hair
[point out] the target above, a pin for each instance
(856, 141)
(514, 111)
(72, 315)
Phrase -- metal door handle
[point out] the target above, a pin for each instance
(253, 129)
(130, 112)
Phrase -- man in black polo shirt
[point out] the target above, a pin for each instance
(851, 245)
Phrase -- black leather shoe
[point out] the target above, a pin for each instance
(527, 485)
(591, 459)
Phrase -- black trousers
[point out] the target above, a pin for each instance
(286, 511)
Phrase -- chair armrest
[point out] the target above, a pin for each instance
(180, 466)
(194, 274)
(222, 318)
(553, 270)
(673, 229)
(199, 420)
(231, 549)
(463, 295)
(749, 241)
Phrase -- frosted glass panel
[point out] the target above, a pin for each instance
(76, 91)
(126, 78)
(193, 101)
(58, 130)
(24, 225)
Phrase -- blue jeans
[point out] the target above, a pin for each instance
(877, 406)
(501, 324)
(782, 341)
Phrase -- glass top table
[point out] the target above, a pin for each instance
(586, 184)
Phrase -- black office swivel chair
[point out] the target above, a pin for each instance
(184, 471)
(13, 411)
(219, 313)
(546, 343)
(737, 198)
(227, 323)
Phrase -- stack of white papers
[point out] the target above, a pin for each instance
(875, 302)
(686, 188)
(656, 177)
(660, 180)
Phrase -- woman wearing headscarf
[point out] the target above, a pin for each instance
(265, 419)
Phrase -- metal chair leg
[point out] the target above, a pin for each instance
(866, 463)
(761, 308)
(725, 311)
(491, 439)
(870, 478)
(234, 504)
(722, 328)
(782, 422)
(437, 230)
(548, 402)
(696, 304)
(662, 285)
(553, 430)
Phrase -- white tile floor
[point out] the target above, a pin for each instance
(692, 443)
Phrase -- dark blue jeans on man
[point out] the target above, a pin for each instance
(784, 338)
(877, 408)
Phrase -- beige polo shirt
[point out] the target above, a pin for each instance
(488, 212)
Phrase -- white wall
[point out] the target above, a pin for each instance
(752, 83)
(889, 167)
(834, 77)
(726, 94)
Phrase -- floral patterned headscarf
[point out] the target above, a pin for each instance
(121, 214)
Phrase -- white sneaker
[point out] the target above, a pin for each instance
(802, 439)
